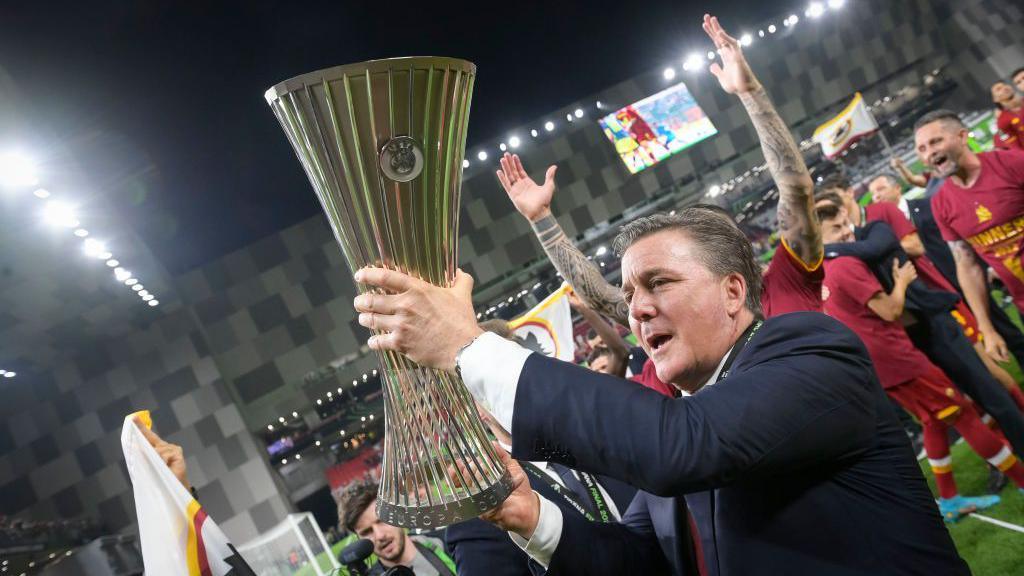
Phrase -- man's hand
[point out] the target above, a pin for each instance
(734, 73)
(897, 164)
(995, 346)
(520, 512)
(427, 323)
(171, 454)
(574, 300)
(904, 274)
(531, 200)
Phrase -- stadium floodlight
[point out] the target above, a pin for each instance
(502, 147)
(760, 33)
(598, 104)
(121, 274)
(578, 112)
(17, 170)
(815, 10)
(711, 54)
(10, 374)
(138, 287)
(836, 4)
(746, 40)
(270, 427)
(298, 456)
(465, 163)
(669, 73)
(481, 155)
(131, 282)
(533, 132)
(772, 28)
(143, 293)
(714, 191)
(317, 442)
(41, 193)
(281, 419)
(602, 250)
(549, 125)
(59, 214)
(693, 62)
(792, 20)
(295, 414)
(568, 117)
(513, 141)
(81, 232)
(154, 302)
(93, 248)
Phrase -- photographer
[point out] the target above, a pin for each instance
(392, 545)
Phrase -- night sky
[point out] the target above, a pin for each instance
(161, 104)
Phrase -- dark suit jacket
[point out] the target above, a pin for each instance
(808, 468)
(481, 549)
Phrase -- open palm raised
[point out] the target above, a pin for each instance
(734, 73)
(532, 200)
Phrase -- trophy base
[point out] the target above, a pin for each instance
(441, 515)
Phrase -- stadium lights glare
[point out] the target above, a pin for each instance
(602, 250)
(143, 293)
(549, 125)
(154, 302)
(81, 232)
(711, 54)
(298, 456)
(295, 414)
(815, 10)
(578, 113)
(568, 117)
(317, 442)
(113, 263)
(669, 73)
(598, 104)
(693, 62)
(760, 33)
(836, 4)
(465, 163)
(41, 193)
(280, 419)
(131, 281)
(270, 427)
(94, 248)
(715, 190)
(772, 28)
(481, 155)
(513, 141)
(533, 132)
(17, 170)
(502, 147)
(138, 287)
(746, 40)
(59, 214)
(121, 274)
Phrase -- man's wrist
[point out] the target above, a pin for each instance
(539, 215)
(526, 525)
(469, 340)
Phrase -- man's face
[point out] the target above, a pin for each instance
(681, 312)
(1002, 93)
(941, 147)
(837, 230)
(1018, 81)
(602, 364)
(885, 190)
(388, 541)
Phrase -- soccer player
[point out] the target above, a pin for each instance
(1011, 116)
(980, 206)
(856, 298)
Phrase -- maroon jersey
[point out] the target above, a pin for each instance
(892, 215)
(1011, 130)
(989, 215)
(849, 286)
(790, 285)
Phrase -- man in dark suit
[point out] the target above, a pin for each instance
(788, 430)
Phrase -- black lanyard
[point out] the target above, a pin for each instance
(574, 500)
(738, 347)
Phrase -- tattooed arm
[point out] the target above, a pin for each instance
(798, 222)
(533, 201)
(971, 276)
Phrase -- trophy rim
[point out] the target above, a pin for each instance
(379, 65)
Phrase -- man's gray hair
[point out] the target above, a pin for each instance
(723, 248)
(888, 177)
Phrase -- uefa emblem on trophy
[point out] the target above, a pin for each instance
(382, 143)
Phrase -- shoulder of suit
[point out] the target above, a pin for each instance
(798, 325)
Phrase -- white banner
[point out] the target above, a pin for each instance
(178, 539)
(548, 327)
(852, 124)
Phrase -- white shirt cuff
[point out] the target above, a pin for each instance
(490, 367)
(546, 536)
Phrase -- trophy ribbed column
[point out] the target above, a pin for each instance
(382, 143)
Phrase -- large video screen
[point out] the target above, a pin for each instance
(646, 132)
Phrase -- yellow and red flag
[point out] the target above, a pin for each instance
(547, 328)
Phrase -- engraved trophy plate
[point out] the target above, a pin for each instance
(382, 143)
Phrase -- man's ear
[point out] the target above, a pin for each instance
(734, 287)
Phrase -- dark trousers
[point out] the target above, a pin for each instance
(1007, 329)
(941, 339)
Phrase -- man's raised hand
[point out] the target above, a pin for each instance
(172, 454)
(734, 73)
(429, 324)
(532, 200)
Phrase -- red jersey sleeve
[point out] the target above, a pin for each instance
(790, 284)
(1013, 166)
(941, 212)
(892, 215)
(855, 278)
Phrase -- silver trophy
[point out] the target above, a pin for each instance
(382, 142)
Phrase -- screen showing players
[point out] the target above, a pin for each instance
(650, 130)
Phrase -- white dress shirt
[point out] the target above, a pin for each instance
(491, 367)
